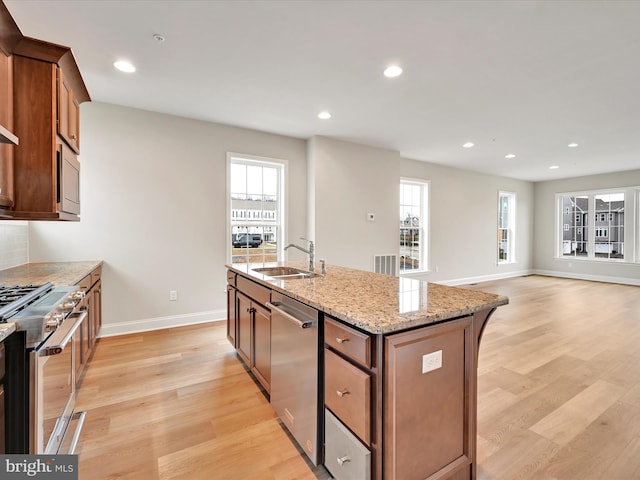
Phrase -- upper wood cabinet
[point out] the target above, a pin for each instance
(68, 113)
(40, 106)
(7, 137)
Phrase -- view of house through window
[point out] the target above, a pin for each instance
(506, 227)
(256, 209)
(592, 225)
(413, 235)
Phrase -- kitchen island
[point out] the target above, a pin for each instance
(397, 368)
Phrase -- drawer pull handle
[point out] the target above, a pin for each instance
(343, 460)
(341, 340)
(342, 393)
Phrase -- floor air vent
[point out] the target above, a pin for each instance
(387, 264)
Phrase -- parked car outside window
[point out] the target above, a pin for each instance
(251, 240)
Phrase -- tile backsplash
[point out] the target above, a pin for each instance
(14, 243)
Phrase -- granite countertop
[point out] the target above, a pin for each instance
(58, 273)
(6, 329)
(374, 302)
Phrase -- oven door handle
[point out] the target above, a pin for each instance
(55, 345)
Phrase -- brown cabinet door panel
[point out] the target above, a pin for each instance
(428, 395)
(244, 329)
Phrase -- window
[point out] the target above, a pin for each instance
(574, 214)
(256, 190)
(413, 225)
(506, 227)
(610, 242)
(596, 225)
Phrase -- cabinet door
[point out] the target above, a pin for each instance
(428, 402)
(6, 122)
(231, 315)
(68, 113)
(245, 316)
(68, 181)
(96, 314)
(262, 345)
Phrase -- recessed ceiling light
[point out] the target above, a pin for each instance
(124, 66)
(572, 145)
(510, 155)
(468, 145)
(554, 167)
(324, 115)
(392, 71)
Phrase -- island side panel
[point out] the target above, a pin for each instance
(428, 401)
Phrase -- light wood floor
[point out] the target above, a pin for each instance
(559, 396)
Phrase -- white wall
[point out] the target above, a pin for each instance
(153, 198)
(350, 181)
(464, 223)
(545, 224)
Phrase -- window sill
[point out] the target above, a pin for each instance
(596, 260)
(506, 263)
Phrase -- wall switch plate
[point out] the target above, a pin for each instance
(173, 295)
(431, 361)
(371, 217)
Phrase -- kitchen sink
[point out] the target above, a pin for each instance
(285, 273)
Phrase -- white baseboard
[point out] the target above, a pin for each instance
(593, 278)
(148, 324)
(485, 278)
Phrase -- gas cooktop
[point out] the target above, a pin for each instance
(15, 298)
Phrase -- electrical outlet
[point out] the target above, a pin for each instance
(173, 295)
(431, 361)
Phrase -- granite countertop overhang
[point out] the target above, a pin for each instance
(38, 273)
(374, 302)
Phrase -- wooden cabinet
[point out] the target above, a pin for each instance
(252, 321)
(46, 168)
(245, 329)
(89, 330)
(231, 308)
(41, 90)
(7, 138)
(349, 381)
(428, 408)
(68, 113)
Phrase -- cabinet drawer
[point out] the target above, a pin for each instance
(85, 283)
(252, 289)
(348, 394)
(344, 456)
(95, 274)
(231, 278)
(346, 340)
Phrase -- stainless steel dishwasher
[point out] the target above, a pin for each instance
(294, 371)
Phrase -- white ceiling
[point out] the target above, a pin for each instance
(522, 77)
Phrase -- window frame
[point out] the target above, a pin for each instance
(511, 228)
(282, 166)
(423, 228)
(593, 224)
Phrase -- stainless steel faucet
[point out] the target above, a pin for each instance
(311, 251)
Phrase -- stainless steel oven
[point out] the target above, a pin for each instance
(55, 426)
(49, 323)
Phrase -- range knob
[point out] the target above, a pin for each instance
(77, 295)
(55, 320)
(68, 305)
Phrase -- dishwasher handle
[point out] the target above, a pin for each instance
(288, 316)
